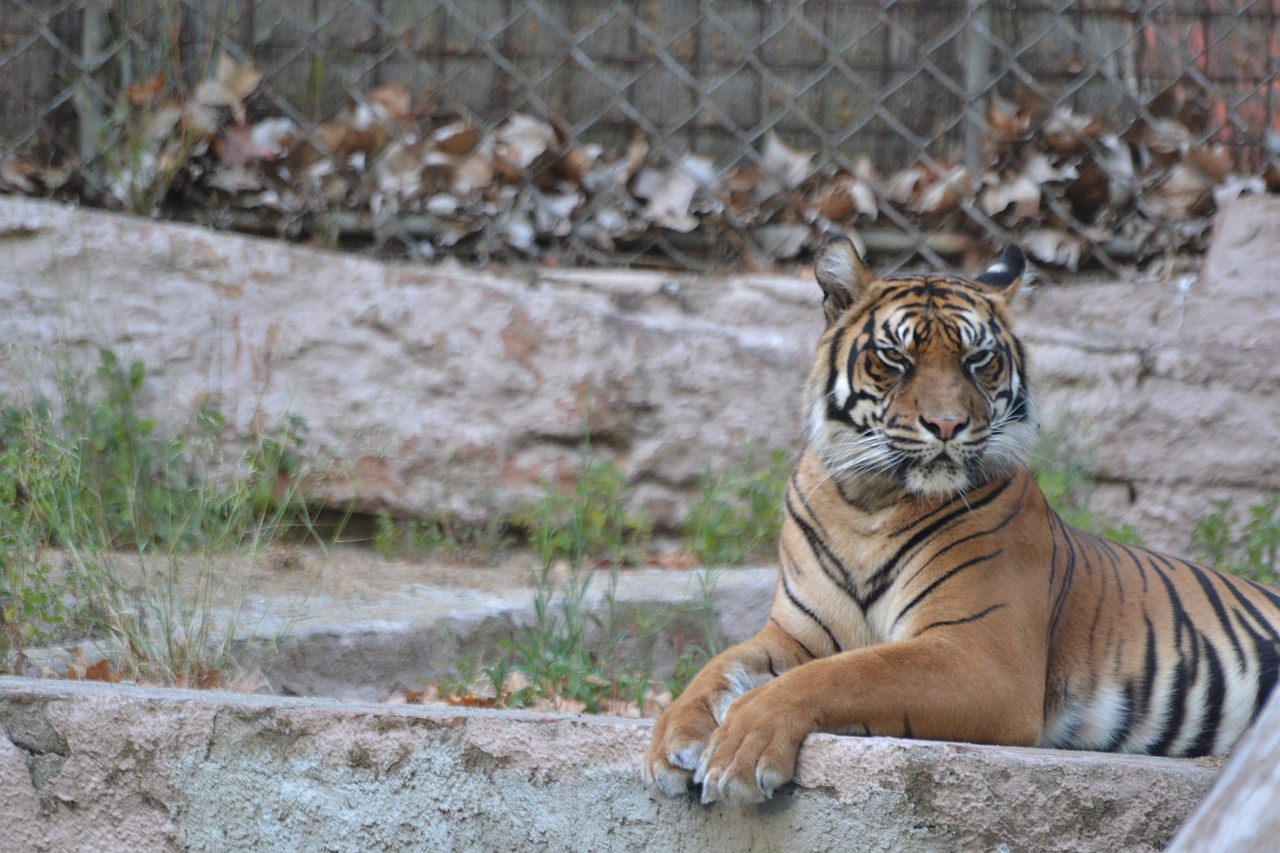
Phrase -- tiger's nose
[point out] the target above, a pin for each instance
(944, 427)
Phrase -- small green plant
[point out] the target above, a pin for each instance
(1248, 546)
(422, 537)
(738, 514)
(586, 522)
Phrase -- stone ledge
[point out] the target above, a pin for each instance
(89, 766)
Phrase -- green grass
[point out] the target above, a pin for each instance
(1247, 545)
(737, 514)
(143, 525)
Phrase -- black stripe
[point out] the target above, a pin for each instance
(1251, 608)
(1205, 579)
(940, 581)
(1183, 669)
(1268, 672)
(1010, 516)
(1265, 591)
(786, 587)
(962, 621)
(1267, 657)
(825, 557)
(1067, 559)
(793, 638)
(1213, 701)
(1150, 669)
(878, 577)
(833, 348)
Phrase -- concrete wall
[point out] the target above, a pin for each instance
(94, 767)
(438, 386)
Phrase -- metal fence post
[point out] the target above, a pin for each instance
(89, 107)
(977, 76)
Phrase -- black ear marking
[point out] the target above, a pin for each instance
(841, 274)
(1006, 273)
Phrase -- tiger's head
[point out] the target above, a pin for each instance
(919, 385)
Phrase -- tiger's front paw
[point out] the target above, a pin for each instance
(680, 736)
(753, 752)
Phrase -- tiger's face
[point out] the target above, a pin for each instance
(919, 384)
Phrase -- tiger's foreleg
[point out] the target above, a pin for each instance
(920, 688)
(682, 733)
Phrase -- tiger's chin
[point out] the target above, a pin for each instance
(937, 480)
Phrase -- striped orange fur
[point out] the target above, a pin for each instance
(928, 590)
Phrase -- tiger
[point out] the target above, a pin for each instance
(927, 589)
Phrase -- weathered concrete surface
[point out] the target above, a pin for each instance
(1240, 814)
(435, 387)
(419, 634)
(90, 767)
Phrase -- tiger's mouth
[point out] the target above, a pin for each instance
(945, 471)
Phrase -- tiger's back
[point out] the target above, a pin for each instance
(927, 589)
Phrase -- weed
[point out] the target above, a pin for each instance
(422, 537)
(587, 521)
(1249, 547)
(737, 514)
(141, 522)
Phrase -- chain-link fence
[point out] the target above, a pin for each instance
(661, 131)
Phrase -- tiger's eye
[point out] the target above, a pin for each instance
(979, 359)
(892, 357)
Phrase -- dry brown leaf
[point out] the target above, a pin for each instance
(1088, 193)
(144, 92)
(672, 193)
(946, 193)
(209, 678)
(518, 142)
(1018, 191)
(473, 174)
(905, 184)
(1214, 162)
(101, 671)
(1185, 193)
(1053, 246)
(786, 166)
(1009, 122)
(845, 196)
(230, 85)
(392, 102)
(18, 174)
(341, 140)
(1065, 132)
(456, 139)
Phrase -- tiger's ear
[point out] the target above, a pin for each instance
(1005, 275)
(842, 276)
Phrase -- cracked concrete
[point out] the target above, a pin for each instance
(151, 769)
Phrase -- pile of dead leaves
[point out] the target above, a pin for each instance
(379, 172)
